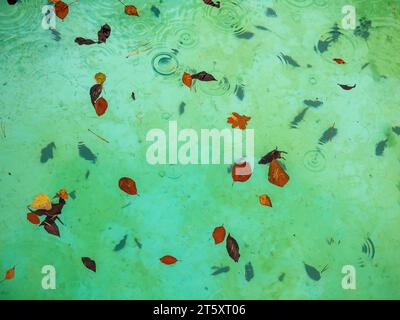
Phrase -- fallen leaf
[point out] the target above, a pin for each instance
(10, 274)
(61, 9)
(233, 248)
(241, 172)
(100, 106)
(346, 87)
(128, 185)
(219, 234)
(203, 76)
(276, 175)
(339, 61)
(131, 10)
(100, 78)
(52, 228)
(168, 259)
(89, 263)
(33, 218)
(187, 79)
(238, 121)
(41, 201)
(95, 92)
(265, 200)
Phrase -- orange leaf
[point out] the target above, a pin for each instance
(10, 273)
(33, 218)
(101, 106)
(168, 260)
(265, 200)
(187, 79)
(241, 172)
(276, 175)
(238, 121)
(131, 10)
(219, 234)
(127, 185)
(339, 61)
(61, 9)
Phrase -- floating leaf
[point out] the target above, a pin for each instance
(61, 9)
(89, 263)
(10, 274)
(187, 79)
(63, 194)
(276, 175)
(41, 201)
(103, 33)
(219, 234)
(127, 185)
(241, 172)
(52, 228)
(203, 76)
(131, 10)
(339, 61)
(346, 87)
(100, 78)
(100, 106)
(238, 121)
(168, 259)
(233, 248)
(265, 200)
(81, 41)
(95, 92)
(33, 218)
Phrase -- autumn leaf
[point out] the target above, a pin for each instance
(10, 274)
(219, 234)
(168, 259)
(187, 79)
(238, 121)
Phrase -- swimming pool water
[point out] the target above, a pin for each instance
(273, 60)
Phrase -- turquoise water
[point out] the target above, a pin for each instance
(340, 207)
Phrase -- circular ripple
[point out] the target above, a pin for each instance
(165, 63)
(186, 38)
(231, 17)
(314, 160)
(215, 88)
(344, 47)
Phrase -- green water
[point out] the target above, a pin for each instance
(340, 194)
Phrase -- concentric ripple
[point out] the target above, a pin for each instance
(165, 63)
(231, 17)
(215, 88)
(314, 160)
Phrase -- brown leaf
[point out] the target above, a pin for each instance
(233, 248)
(89, 263)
